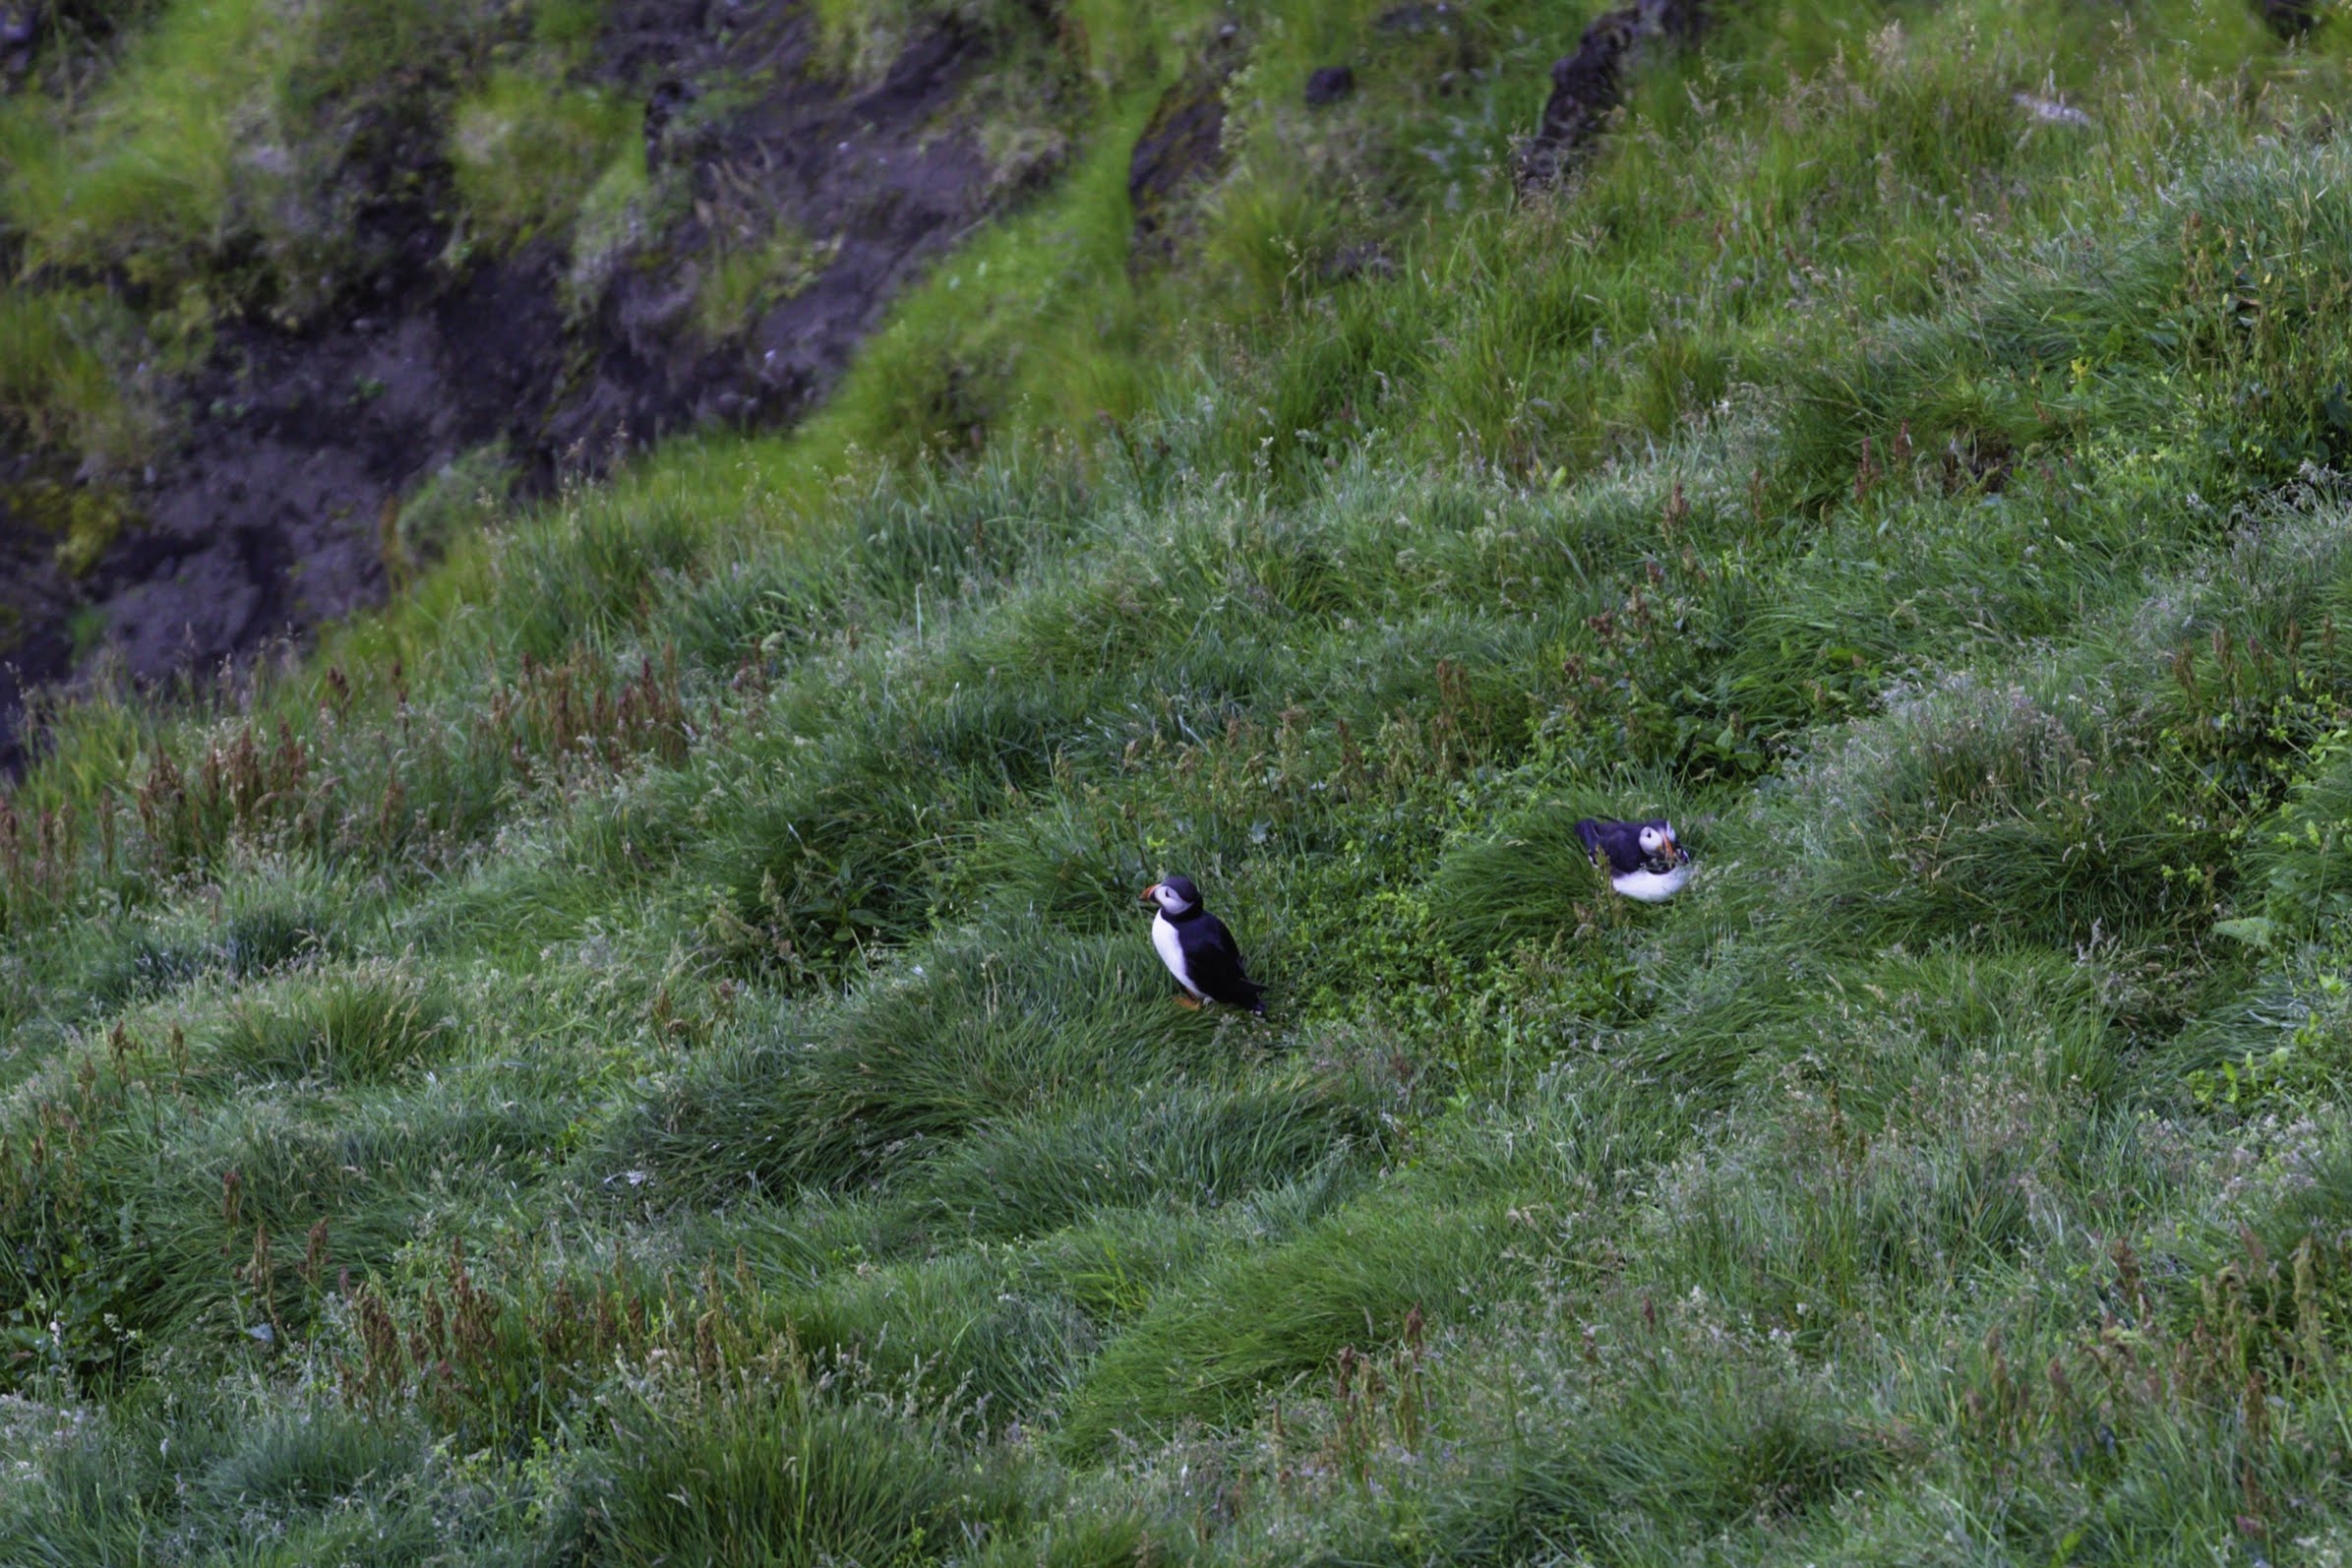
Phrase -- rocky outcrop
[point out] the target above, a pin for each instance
(20, 34)
(1181, 146)
(1588, 84)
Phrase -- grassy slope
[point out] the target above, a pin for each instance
(644, 1052)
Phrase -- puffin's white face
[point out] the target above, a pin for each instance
(1658, 839)
(1651, 840)
(1168, 898)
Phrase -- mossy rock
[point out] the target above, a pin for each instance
(1181, 146)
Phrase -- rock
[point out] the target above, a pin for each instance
(1586, 85)
(1328, 85)
(20, 38)
(260, 516)
(2289, 19)
(1361, 259)
(1183, 145)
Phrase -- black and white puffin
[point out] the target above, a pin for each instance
(1645, 859)
(1197, 948)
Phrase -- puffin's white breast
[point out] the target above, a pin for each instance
(1171, 952)
(1653, 887)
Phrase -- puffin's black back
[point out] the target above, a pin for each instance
(1211, 954)
(1621, 842)
(1215, 960)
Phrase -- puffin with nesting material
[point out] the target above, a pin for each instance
(1645, 860)
(1197, 948)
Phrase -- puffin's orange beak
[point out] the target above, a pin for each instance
(1147, 896)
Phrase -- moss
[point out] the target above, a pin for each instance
(619, 213)
(457, 500)
(84, 520)
(86, 630)
(568, 25)
(58, 384)
(744, 282)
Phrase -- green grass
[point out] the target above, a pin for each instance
(645, 1049)
(156, 171)
(354, 1029)
(530, 153)
(218, 132)
(55, 383)
(745, 283)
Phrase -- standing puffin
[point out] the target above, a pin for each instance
(1197, 948)
(1645, 859)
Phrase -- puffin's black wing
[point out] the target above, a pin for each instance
(1215, 963)
(1620, 842)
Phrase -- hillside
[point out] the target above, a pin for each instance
(643, 1049)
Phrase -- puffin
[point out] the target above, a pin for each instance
(1197, 948)
(1645, 859)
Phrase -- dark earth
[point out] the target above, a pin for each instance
(266, 516)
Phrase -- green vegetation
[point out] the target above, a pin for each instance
(456, 502)
(528, 153)
(84, 520)
(57, 383)
(746, 281)
(211, 157)
(646, 1050)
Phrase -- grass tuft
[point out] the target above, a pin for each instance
(367, 1026)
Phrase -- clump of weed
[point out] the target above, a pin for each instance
(1363, 1278)
(742, 283)
(368, 1025)
(455, 502)
(528, 152)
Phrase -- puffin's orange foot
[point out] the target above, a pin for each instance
(1183, 1000)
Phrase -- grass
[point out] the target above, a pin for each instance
(747, 281)
(455, 502)
(55, 384)
(644, 1050)
(354, 1029)
(528, 153)
(205, 158)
